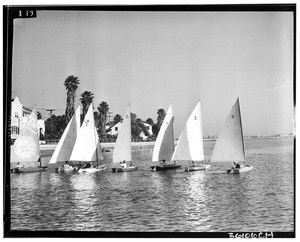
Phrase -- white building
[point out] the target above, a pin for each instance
(113, 129)
(18, 114)
(149, 128)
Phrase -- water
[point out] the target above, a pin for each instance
(260, 200)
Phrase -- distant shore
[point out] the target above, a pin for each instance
(150, 144)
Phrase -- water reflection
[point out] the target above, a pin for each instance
(195, 207)
(160, 201)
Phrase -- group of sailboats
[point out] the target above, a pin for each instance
(81, 144)
(229, 146)
(189, 147)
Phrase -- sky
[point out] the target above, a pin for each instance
(152, 59)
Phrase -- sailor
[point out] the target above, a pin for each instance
(19, 165)
(124, 164)
(237, 165)
(88, 165)
(67, 165)
(163, 162)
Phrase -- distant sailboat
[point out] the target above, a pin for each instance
(26, 147)
(122, 150)
(229, 146)
(164, 144)
(87, 147)
(66, 143)
(190, 143)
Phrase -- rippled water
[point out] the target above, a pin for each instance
(260, 200)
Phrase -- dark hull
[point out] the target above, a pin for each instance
(165, 167)
(29, 169)
(120, 169)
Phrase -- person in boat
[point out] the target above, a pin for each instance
(67, 165)
(124, 164)
(19, 165)
(88, 165)
(237, 165)
(193, 163)
(163, 162)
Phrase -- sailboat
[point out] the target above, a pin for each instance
(122, 150)
(87, 147)
(26, 147)
(164, 144)
(229, 146)
(190, 143)
(64, 148)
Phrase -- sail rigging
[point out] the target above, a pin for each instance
(190, 143)
(164, 145)
(122, 150)
(67, 141)
(87, 142)
(230, 143)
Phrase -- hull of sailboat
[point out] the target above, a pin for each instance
(197, 168)
(121, 169)
(65, 170)
(29, 169)
(242, 169)
(165, 167)
(92, 169)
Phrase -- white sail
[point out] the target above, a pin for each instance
(164, 144)
(66, 143)
(87, 142)
(26, 147)
(122, 150)
(230, 143)
(190, 143)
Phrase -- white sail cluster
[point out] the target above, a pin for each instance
(79, 143)
(82, 143)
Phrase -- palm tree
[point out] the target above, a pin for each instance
(86, 99)
(117, 118)
(103, 109)
(160, 117)
(137, 127)
(149, 121)
(71, 84)
(39, 115)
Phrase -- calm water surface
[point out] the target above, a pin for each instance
(211, 201)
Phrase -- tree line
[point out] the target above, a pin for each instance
(56, 124)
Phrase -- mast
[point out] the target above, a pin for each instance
(243, 142)
(95, 138)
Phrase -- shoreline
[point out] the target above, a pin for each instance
(150, 144)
